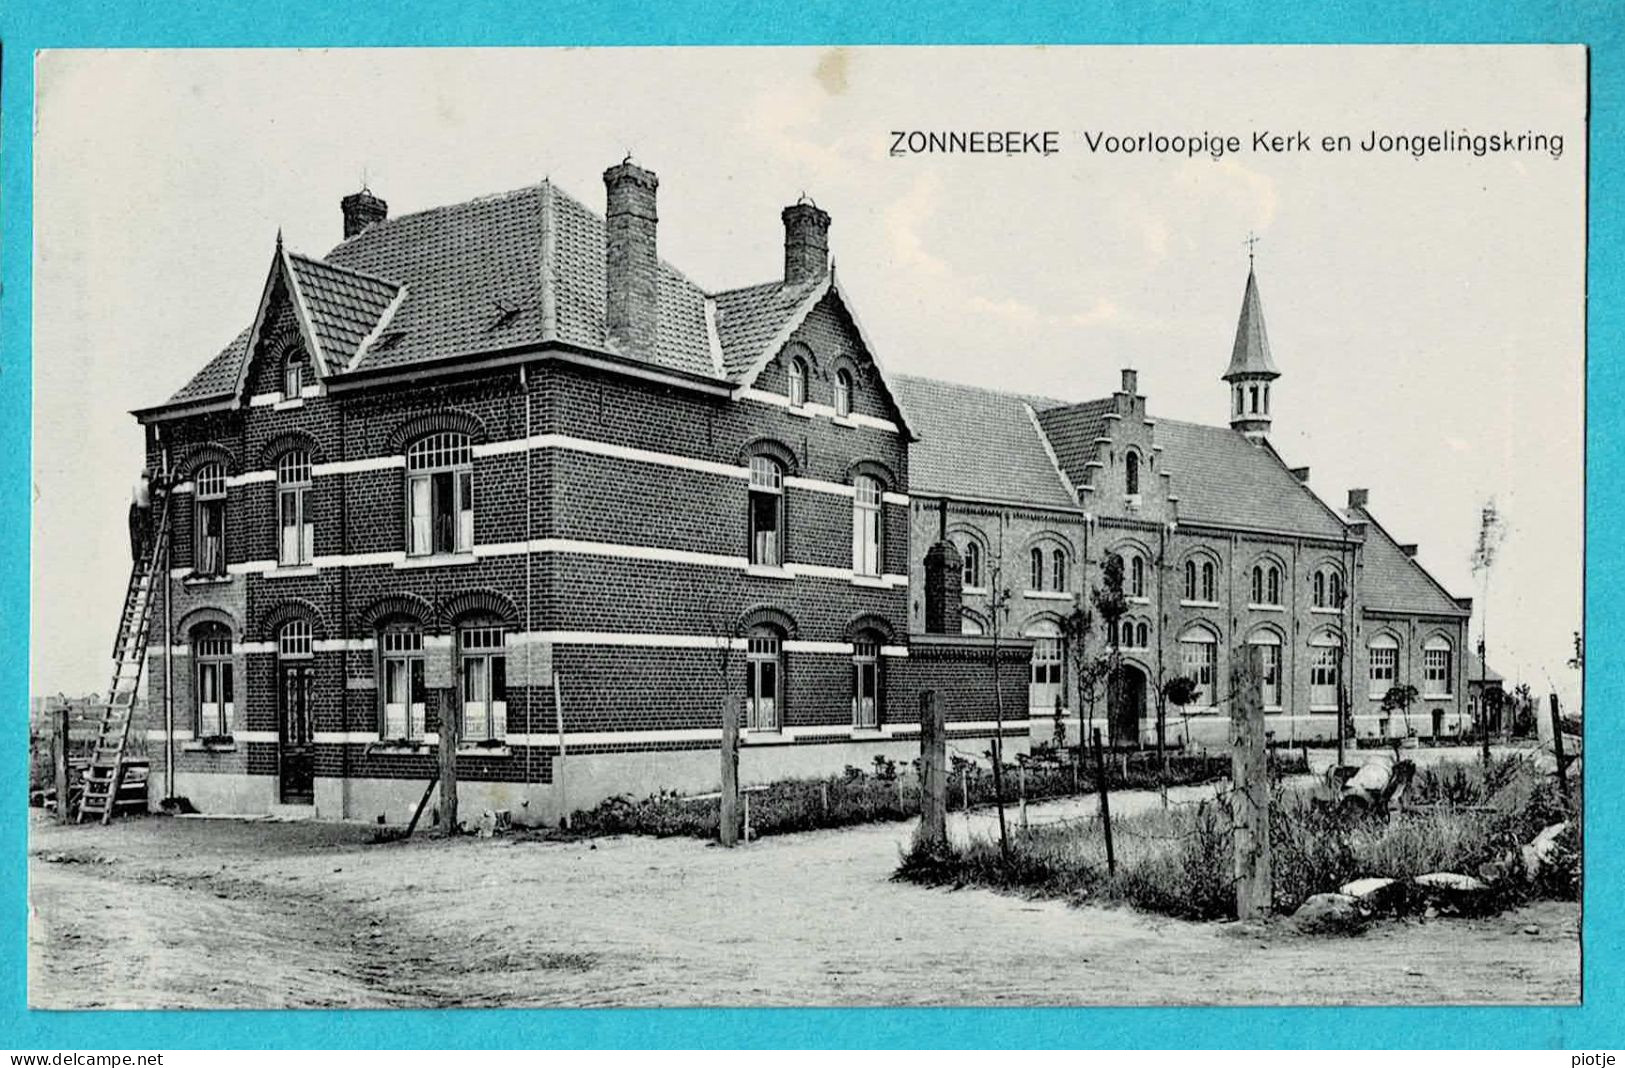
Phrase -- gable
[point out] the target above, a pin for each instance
(1392, 581)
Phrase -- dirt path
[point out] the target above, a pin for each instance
(216, 914)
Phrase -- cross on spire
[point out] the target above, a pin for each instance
(1252, 240)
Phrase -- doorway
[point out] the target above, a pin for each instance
(296, 753)
(1128, 710)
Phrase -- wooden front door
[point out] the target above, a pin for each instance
(296, 759)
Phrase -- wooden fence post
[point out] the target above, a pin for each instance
(1249, 783)
(1105, 803)
(964, 788)
(1557, 749)
(1021, 773)
(449, 731)
(730, 772)
(59, 761)
(933, 773)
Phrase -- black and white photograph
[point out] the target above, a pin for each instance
(798, 526)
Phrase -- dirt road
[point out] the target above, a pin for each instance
(203, 913)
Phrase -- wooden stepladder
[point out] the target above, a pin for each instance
(108, 766)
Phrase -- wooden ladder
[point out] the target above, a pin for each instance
(105, 773)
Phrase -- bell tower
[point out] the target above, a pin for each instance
(1251, 368)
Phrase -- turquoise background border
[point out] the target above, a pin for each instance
(26, 26)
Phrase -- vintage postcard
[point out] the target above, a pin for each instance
(797, 526)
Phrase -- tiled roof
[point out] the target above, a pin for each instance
(344, 305)
(977, 444)
(1072, 430)
(1225, 479)
(1393, 581)
(749, 318)
(1251, 352)
(524, 267)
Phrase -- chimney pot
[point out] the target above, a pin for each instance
(361, 210)
(1358, 498)
(806, 242)
(1131, 381)
(631, 260)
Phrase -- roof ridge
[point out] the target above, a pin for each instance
(483, 198)
(292, 254)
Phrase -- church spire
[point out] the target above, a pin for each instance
(1251, 367)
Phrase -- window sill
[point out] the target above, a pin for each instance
(1437, 697)
(223, 746)
(287, 403)
(1046, 595)
(844, 420)
(1200, 604)
(484, 751)
(292, 571)
(764, 737)
(980, 591)
(768, 571)
(869, 734)
(402, 748)
(874, 581)
(1266, 607)
(799, 411)
(196, 579)
(1135, 600)
(1327, 611)
(1323, 708)
(437, 560)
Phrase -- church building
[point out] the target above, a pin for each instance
(500, 461)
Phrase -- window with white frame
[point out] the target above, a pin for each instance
(295, 641)
(1436, 665)
(1045, 685)
(483, 649)
(209, 519)
(1323, 672)
(1136, 575)
(797, 382)
(293, 369)
(866, 684)
(1269, 645)
(1035, 560)
(866, 526)
(216, 703)
(972, 559)
(296, 529)
(1208, 590)
(766, 512)
(1327, 588)
(440, 494)
(405, 697)
(1383, 664)
(1266, 584)
(764, 653)
(1198, 660)
(843, 393)
(1058, 570)
(1190, 580)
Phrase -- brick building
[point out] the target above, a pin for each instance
(1222, 543)
(500, 458)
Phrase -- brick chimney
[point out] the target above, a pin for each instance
(944, 580)
(1357, 498)
(806, 242)
(361, 210)
(631, 264)
(1131, 382)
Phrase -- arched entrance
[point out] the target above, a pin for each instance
(1128, 709)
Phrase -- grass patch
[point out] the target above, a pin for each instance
(1178, 861)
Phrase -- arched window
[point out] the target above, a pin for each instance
(209, 519)
(1142, 636)
(1327, 587)
(1136, 576)
(843, 393)
(440, 494)
(1253, 396)
(1324, 662)
(1046, 665)
(1266, 398)
(1190, 580)
(215, 707)
(766, 512)
(403, 693)
(866, 682)
(296, 530)
(483, 649)
(1272, 585)
(1383, 660)
(1269, 643)
(1198, 661)
(1058, 569)
(1437, 662)
(1319, 589)
(972, 559)
(866, 539)
(1036, 560)
(798, 382)
(763, 674)
(1131, 473)
(1208, 592)
(293, 369)
(1334, 589)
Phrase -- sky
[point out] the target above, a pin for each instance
(1427, 314)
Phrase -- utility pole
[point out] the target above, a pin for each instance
(998, 598)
